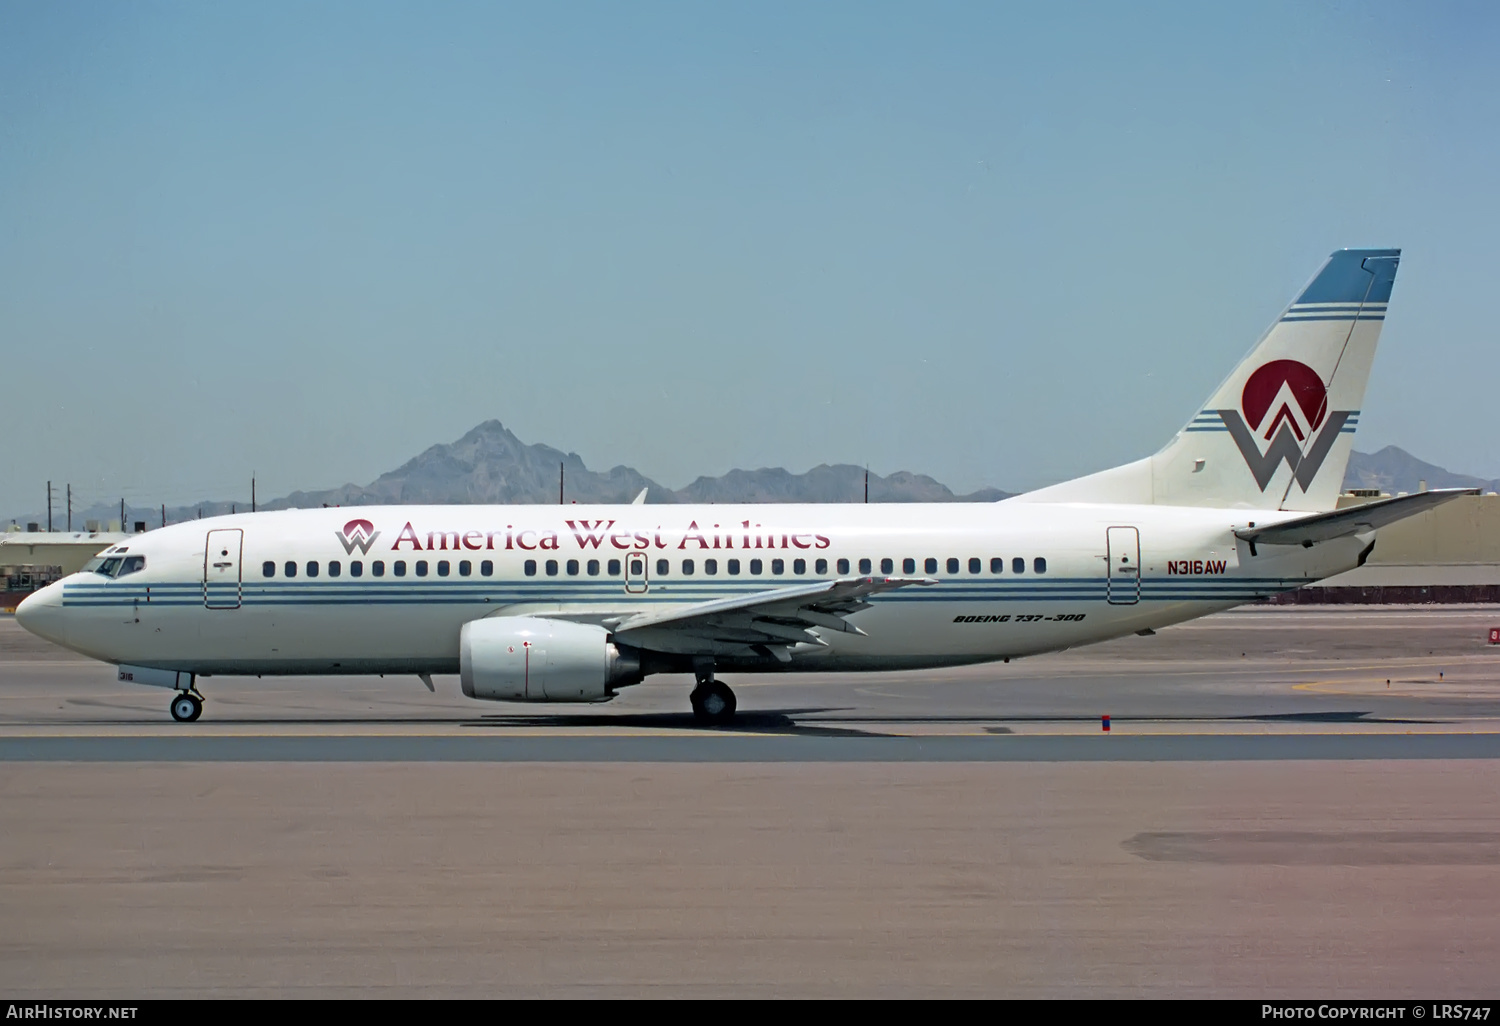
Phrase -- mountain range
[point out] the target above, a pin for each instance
(490, 464)
(1396, 470)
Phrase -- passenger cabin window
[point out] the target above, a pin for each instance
(1018, 565)
(268, 569)
(799, 566)
(465, 568)
(820, 567)
(398, 568)
(908, 565)
(487, 568)
(778, 566)
(334, 568)
(421, 568)
(997, 565)
(356, 569)
(1039, 564)
(377, 568)
(756, 566)
(734, 567)
(312, 568)
(864, 566)
(887, 566)
(291, 568)
(952, 566)
(687, 567)
(929, 565)
(443, 568)
(661, 567)
(551, 568)
(593, 568)
(529, 567)
(974, 564)
(614, 568)
(572, 568)
(711, 567)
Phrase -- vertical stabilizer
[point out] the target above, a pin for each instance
(1278, 432)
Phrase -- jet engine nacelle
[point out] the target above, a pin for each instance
(532, 659)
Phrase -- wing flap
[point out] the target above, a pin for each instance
(776, 618)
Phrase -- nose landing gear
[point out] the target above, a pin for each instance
(186, 706)
(713, 703)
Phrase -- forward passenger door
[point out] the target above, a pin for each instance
(221, 569)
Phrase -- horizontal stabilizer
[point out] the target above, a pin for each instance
(1322, 527)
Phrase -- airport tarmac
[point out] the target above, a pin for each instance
(1266, 818)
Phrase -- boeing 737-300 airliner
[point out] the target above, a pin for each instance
(572, 603)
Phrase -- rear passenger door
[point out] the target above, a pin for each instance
(1124, 575)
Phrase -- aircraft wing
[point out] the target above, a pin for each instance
(770, 621)
(1318, 527)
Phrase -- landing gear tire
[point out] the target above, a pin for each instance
(713, 703)
(186, 707)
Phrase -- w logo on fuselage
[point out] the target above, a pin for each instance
(1291, 400)
(357, 534)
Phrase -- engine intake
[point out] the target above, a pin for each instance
(532, 659)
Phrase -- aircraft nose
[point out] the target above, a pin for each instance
(41, 613)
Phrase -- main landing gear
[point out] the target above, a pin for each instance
(713, 702)
(186, 706)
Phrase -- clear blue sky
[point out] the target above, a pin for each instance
(998, 244)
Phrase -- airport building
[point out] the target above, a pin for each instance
(31, 559)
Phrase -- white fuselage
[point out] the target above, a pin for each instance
(1012, 579)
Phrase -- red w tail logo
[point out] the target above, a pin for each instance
(357, 534)
(1292, 401)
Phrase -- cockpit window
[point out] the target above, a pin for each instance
(115, 566)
